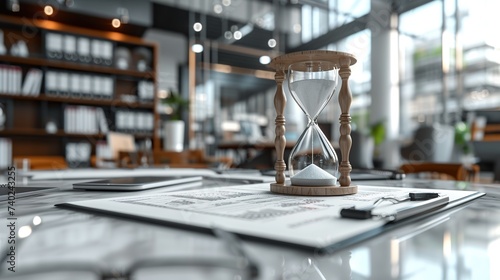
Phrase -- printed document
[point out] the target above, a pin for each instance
(252, 210)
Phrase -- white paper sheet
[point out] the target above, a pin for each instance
(253, 210)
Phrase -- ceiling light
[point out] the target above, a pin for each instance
(48, 10)
(116, 23)
(123, 14)
(264, 59)
(231, 126)
(69, 3)
(37, 220)
(237, 35)
(122, 17)
(13, 5)
(260, 22)
(162, 94)
(217, 8)
(197, 48)
(197, 26)
(24, 231)
(271, 43)
(238, 32)
(297, 28)
(226, 2)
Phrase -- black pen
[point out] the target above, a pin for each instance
(423, 207)
(429, 201)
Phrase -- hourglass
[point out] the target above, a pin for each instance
(312, 84)
(313, 166)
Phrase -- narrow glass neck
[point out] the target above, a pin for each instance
(312, 122)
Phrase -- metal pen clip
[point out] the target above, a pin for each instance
(366, 212)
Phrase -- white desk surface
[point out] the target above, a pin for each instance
(461, 243)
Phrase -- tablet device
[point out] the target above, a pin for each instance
(135, 183)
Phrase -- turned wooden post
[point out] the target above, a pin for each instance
(345, 141)
(280, 140)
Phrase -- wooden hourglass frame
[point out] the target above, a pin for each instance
(342, 61)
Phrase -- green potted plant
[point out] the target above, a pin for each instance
(173, 128)
(377, 132)
(463, 148)
(175, 105)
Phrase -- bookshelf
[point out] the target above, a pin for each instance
(44, 62)
(91, 82)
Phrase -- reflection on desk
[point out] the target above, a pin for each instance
(462, 242)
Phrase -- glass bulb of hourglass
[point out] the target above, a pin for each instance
(313, 161)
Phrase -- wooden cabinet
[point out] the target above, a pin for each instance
(91, 82)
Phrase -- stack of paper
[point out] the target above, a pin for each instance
(103, 150)
(78, 48)
(78, 153)
(54, 45)
(33, 82)
(10, 79)
(84, 49)
(85, 120)
(75, 84)
(146, 91)
(102, 52)
(132, 121)
(70, 48)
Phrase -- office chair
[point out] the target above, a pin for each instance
(361, 154)
(431, 143)
(455, 171)
(488, 152)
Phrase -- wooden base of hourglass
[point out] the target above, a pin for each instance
(343, 61)
(314, 190)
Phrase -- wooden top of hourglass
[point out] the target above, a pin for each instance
(282, 62)
(343, 61)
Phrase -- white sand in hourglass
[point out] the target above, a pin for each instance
(312, 175)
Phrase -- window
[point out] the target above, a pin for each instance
(451, 67)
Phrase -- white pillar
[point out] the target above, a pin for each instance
(385, 78)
